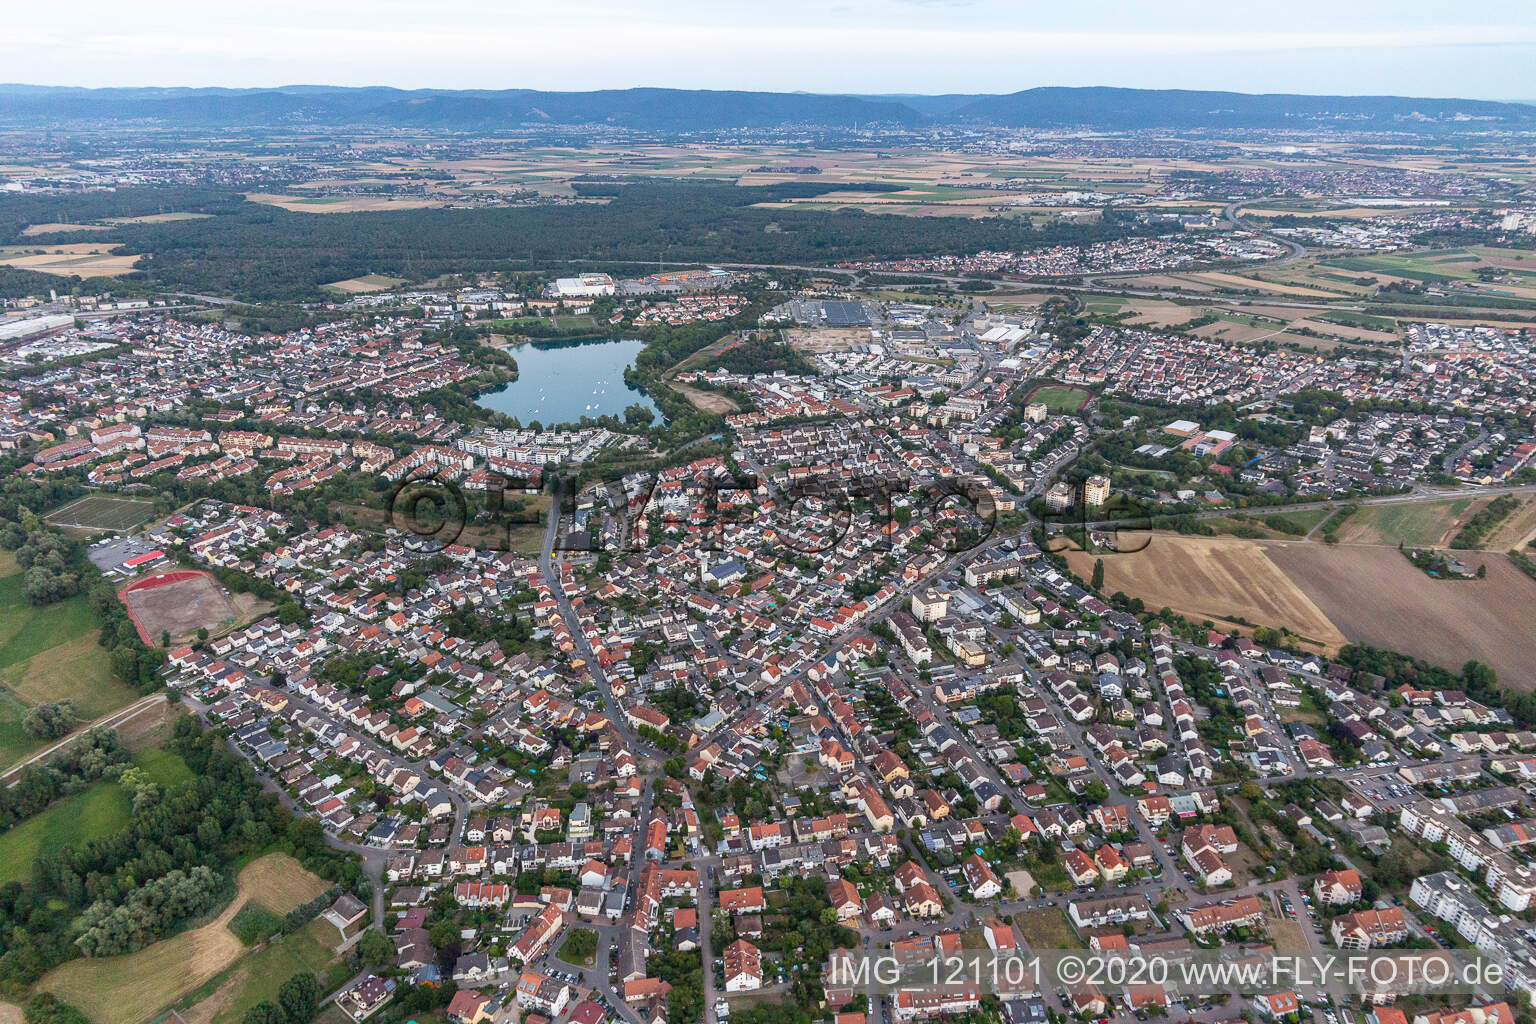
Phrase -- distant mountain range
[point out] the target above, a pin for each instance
(690, 110)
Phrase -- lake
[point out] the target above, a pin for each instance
(562, 381)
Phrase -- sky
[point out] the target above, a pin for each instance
(1481, 50)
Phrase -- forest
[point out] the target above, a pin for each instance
(258, 252)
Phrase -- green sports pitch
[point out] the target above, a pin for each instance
(99, 513)
(1059, 399)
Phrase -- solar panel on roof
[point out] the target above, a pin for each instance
(844, 314)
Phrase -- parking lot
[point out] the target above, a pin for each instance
(109, 555)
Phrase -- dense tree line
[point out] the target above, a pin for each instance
(18, 211)
(97, 755)
(47, 559)
(150, 912)
(1481, 524)
(263, 252)
(218, 816)
(16, 283)
(132, 660)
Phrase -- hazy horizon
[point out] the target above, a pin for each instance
(864, 47)
(892, 96)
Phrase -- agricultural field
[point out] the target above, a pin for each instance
(32, 230)
(1216, 578)
(366, 283)
(96, 813)
(101, 513)
(1433, 266)
(1517, 530)
(343, 203)
(82, 259)
(1419, 524)
(158, 218)
(132, 988)
(1376, 596)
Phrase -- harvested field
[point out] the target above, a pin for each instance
(158, 218)
(1240, 333)
(366, 283)
(341, 204)
(1377, 597)
(1152, 313)
(74, 264)
(53, 229)
(1185, 283)
(129, 989)
(1215, 578)
(705, 401)
(1348, 332)
(1241, 283)
(177, 602)
(280, 883)
(1417, 524)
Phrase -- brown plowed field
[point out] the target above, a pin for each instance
(1376, 596)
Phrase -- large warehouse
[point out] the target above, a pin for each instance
(587, 286)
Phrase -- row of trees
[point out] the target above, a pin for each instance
(97, 755)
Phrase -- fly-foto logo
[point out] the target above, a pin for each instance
(438, 511)
(816, 514)
(1117, 525)
(804, 517)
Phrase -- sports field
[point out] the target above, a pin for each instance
(179, 603)
(99, 513)
(1059, 399)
